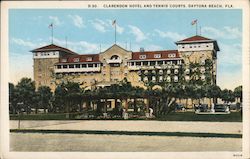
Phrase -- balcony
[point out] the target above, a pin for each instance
(114, 61)
(69, 70)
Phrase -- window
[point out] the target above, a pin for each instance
(168, 79)
(132, 63)
(76, 59)
(171, 55)
(157, 56)
(145, 63)
(160, 62)
(142, 56)
(71, 66)
(89, 59)
(77, 66)
(95, 65)
(90, 65)
(160, 79)
(152, 63)
(153, 78)
(84, 65)
(161, 72)
(175, 78)
(59, 66)
(203, 62)
(138, 63)
(114, 57)
(168, 71)
(65, 66)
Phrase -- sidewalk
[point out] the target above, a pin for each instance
(135, 126)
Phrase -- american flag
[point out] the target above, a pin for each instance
(114, 22)
(194, 22)
(51, 25)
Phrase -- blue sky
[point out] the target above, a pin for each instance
(152, 29)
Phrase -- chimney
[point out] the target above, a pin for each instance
(142, 49)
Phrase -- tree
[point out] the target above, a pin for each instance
(25, 91)
(227, 96)
(13, 99)
(213, 92)
(44, 97)
(238, 93)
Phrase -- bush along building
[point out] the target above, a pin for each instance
(194, 61)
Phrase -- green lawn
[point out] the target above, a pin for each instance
(190, 116)
(174, 116)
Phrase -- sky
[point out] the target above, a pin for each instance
(91, 31)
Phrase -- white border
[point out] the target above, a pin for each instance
(243, 4)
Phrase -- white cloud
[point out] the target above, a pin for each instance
(119, 29)
(100, 25)
(226, 32)
(153, 47)
(171, 35)
(79, 46)
(27, 43)
(55, 20)
(77, 21)
(139, 35)
(104, 26)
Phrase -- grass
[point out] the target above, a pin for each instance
(139, 133)
(190, 116)
(174, 116)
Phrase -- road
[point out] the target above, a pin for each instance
(124, 143)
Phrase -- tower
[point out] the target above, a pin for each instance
(198, 49)
(44, 60)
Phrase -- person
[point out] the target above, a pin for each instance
(150, 112)
(212, 108)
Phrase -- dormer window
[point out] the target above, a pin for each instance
(76, 60)
(64, 60)
(142, 56)
(171, 55)
(157, 56)
(89, 59)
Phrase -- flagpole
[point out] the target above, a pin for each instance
(52, 28)
(196, 28)
(115, 33)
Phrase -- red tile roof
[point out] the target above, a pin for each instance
(53, 47)
(199, 39)
(150, 55)
(82, 58)
(195, 38)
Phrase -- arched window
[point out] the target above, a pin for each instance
(115, 57)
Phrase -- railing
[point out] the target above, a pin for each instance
(67, 70)
(114, 61)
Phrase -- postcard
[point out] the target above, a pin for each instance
(125, 79)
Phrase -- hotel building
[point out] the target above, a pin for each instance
(54, 63)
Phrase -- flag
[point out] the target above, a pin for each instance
(194, 22)
(114, 22)
(51, 25)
